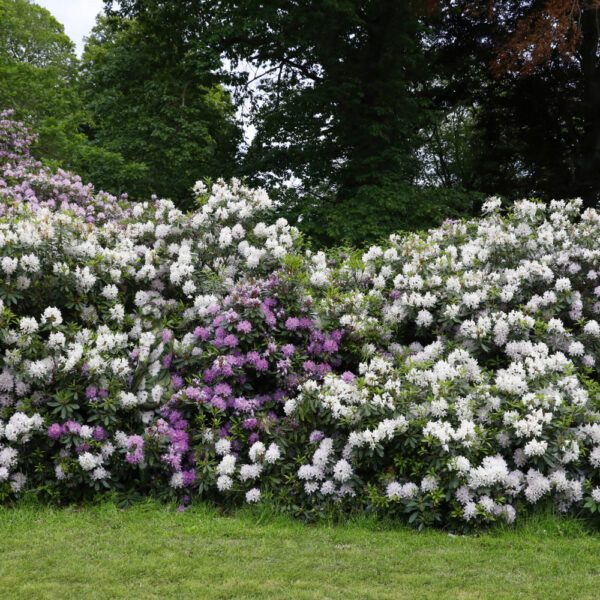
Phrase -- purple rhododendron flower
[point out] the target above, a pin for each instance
(330, 346)
(292, 323)
(135, 445)
(316, 436)
(72, 427)
(192, 393)
(223, 389)
(262, 364)
(348, 376)
(188, 477)
(309, 366)
(231, 341)
(55, 431)
(202, 333)
(250, 423)
(219, 403)
(337, 335)
(244, 327)
(288, 350)
(99, 433)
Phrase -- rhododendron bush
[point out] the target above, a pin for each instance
(447, 377)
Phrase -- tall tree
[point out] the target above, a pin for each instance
(529, 70)
(336, 104)
(38, 68)
(567, 31)
(154, 101)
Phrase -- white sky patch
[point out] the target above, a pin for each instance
(77, 16)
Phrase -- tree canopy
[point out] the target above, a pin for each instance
(529, 71)
(38, 68)
(335, 90)
(155, 102)
(368, 116)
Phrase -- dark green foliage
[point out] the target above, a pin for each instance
(155, 102)
(337, 101)
(375, 211)
(342, 110)
(140, 114)
(38, 68)
(371, 116)
(536, 131)
(109, 170)
(38, 75)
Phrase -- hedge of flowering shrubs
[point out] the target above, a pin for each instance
(446, 378)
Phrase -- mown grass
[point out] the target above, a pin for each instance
(150, 551)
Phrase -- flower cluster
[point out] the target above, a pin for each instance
(445, 377)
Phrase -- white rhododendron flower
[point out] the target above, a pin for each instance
(211, 351)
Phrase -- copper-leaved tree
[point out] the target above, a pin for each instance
(531, 72)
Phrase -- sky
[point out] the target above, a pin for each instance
(77, 16)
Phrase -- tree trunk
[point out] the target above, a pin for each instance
(588, 176)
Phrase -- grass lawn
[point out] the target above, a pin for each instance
(150, 552)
